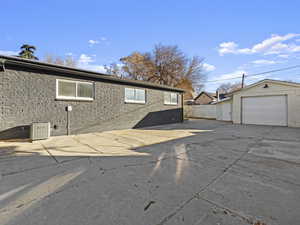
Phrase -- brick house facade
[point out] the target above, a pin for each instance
(29, 94)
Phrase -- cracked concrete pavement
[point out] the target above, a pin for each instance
(197, 172)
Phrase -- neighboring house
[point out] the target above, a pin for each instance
(267, 102)
(33, 91)
(204, 106)
(205, 98)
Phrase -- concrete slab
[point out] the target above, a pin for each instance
(198, 172)
(108, 145)
(26, 148)
(276, 149)
(40, 185)
(116, 194)
(257, 198)
(22, 156)
(199, 212)
(67, 147)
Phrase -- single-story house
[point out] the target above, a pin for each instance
(267, 102)
(79, 101)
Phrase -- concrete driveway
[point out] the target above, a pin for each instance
(198, 172)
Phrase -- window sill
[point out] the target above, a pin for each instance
(171, 104)
(135, 102)
(75, 99)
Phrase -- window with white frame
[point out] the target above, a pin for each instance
(170, 98)
(74, 90)
(135, 95)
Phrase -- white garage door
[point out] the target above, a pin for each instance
(265, 110)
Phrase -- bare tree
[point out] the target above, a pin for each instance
(48, 58)
(114, 69)
(138, 66)
(187, 85)
(166, 65)
(229, 87)
(68, 61)
(59, 61)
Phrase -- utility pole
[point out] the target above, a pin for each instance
(243, 80)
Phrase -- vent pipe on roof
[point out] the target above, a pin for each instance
(218, 95)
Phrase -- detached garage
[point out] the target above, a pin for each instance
(224, 109)
(268, 102)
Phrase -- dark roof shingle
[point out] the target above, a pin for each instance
(34, 64)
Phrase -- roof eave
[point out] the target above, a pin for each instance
(264, 81)
(203, 92)
(84, 73)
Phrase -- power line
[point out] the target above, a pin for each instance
(273, 71)
(255, 74)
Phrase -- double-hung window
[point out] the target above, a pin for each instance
(170, 98)
(74, 90)
(135, 95)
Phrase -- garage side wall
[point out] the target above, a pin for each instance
(29, 96)
(224, 111)
(293, 100)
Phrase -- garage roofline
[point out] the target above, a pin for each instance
(287, 83)
(33, 64)
(222, 100)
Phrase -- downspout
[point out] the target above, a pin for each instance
(182, 110)
(2, 65)
(68, 123)
(2, 69)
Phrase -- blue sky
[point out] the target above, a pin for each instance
(233, 36)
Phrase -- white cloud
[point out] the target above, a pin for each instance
(208, 67)
(93, 42)
(272, 45)
(233, 77)
(283, 56)
(85, 62)
(85, 59)
(264, 62)
(11, 53)
(235, 74)
(272, 42)
(295, 48)
(228, 77)
(96, 68)
(227, 47)
(232, 47)
(69, 54)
